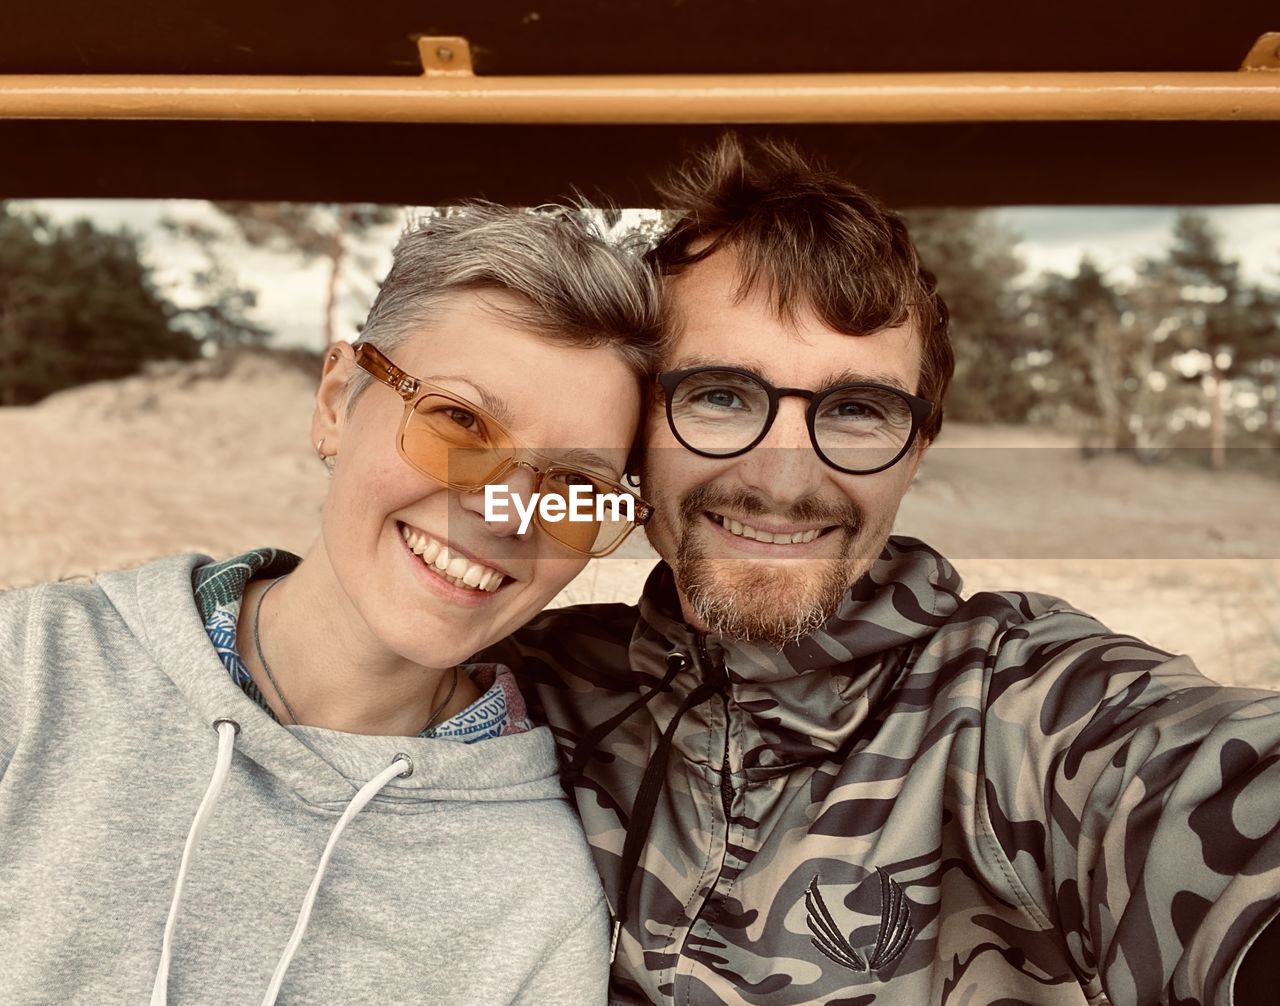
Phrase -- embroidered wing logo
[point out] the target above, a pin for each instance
(892, 935)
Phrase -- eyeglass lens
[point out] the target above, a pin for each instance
(854, 428)
(451, 444)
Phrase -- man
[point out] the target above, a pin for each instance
(812, 770)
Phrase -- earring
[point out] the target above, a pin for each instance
(326, 459)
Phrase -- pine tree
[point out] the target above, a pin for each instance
(1213, 312)
(972, 254)
(77, 304)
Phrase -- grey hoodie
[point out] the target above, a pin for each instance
(466, 882)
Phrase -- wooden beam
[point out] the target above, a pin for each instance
(449, 92)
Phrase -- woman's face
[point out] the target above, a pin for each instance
(559, 400)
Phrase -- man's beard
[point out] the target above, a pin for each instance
(756, 601)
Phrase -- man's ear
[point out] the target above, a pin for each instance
(329, 416)
(918, 450)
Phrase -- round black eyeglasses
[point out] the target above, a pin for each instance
(859, 428)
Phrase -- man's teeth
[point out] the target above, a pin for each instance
(457, 569)
(746, 531)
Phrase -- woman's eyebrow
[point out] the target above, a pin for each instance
(493, 405)
(588, 459)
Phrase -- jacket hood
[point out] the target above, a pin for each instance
(807, 698)
(322, 767)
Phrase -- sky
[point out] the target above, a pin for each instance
(291, 293)
(1055, 237)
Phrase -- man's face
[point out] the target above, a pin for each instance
(710, 512)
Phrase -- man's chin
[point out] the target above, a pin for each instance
(763, 601)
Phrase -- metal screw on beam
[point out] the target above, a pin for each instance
(445, 56)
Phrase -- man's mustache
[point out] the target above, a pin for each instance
(743, 502)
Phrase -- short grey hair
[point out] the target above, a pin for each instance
(576, 286)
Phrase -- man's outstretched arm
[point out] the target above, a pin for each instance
(1135, 801)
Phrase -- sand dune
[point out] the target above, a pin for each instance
(215, 457)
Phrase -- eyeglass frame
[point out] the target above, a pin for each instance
(921, 409)
(413, 390)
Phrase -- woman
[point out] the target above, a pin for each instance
(382, 823)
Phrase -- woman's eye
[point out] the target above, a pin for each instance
(566, 481)
(467, 420)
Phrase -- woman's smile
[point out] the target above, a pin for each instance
(452, 564)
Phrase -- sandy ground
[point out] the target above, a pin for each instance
(193, 459)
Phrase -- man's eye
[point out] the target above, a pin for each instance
(720, 398)
(856, 410)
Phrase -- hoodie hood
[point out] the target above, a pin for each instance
(354, 858)
(321, 767)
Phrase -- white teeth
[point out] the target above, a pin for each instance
(455, 569)
(746, 531)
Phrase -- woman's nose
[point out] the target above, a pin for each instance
(506, 506)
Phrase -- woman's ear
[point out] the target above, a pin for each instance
(329, 417)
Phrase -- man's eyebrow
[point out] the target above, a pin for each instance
(865, 377)
(742, 362)
(761, 368)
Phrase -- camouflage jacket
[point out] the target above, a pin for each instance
(932, 800)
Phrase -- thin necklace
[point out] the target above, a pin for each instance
(262, 659)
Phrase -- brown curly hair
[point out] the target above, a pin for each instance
(813, 241)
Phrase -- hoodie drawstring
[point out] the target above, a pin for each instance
(227, 730)
(400, 767)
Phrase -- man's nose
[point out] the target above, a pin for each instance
(784, 467)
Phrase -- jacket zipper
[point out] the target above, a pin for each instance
(726, 773)
(680, 992)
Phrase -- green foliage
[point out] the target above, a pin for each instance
(1153, 364)
(1218, 312)
(973, 256)
(76, 305)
